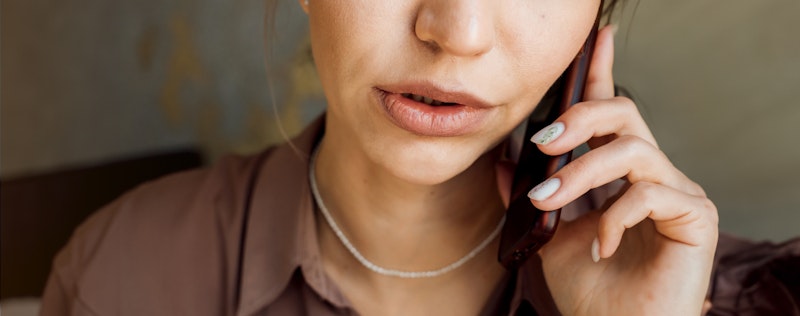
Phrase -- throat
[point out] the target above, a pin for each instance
(465, 291)
(418, 233)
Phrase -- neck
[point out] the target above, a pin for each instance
(406, 226)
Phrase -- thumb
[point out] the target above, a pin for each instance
(504, 170)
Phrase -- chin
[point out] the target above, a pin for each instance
(429, 166)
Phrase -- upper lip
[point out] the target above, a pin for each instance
(436, 92)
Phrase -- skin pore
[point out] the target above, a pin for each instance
(417, 202)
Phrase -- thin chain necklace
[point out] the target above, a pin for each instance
(374, 267)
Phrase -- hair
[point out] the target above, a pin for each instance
(609, 9)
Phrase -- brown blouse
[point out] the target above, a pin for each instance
(236, 239)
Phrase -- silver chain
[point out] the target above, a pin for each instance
(374, 267)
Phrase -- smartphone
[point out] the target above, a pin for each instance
(527, 228)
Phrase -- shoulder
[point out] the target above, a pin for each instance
(173, 246)
(176, 204)
(186, 199)
(147, 245)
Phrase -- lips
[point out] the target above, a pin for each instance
(426, 110)
(424, 99)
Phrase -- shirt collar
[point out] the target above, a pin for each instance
(281, 232)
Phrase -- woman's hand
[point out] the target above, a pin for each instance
(662, 263)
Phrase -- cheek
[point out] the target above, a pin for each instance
(346, 50)
(542, 37)
(328, 24)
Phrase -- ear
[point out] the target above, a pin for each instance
(304, 5)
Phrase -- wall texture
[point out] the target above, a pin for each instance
(90, 80)
(718, 82)
(87, 81)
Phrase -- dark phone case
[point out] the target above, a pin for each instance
(527, 228)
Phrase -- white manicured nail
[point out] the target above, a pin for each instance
(545, 189)
(548, 134)
(595, 250)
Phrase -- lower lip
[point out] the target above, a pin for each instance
(427, 120)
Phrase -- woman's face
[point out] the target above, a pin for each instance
(488, 62)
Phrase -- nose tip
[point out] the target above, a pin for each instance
(460, 29)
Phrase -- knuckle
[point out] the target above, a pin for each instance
(627, 104)
(644, 192)
(626, 107)
(633, 146)
(698, 190)
(710, 209)
(630, 111)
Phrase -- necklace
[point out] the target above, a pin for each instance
(374, 267)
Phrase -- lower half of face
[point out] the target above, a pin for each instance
(422, 89)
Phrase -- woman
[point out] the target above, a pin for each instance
(407, 185)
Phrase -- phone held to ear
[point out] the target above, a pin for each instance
(527, 228)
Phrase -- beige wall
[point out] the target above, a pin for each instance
(719, 82)
(87, 80)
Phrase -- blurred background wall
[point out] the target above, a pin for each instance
(85, 82)
(719, 83)
(88, 80)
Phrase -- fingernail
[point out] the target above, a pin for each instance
(596, 250)
(545, 189)
(548, 134)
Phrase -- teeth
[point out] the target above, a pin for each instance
(419, 98)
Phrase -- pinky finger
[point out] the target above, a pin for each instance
(678, 216)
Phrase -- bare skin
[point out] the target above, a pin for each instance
(419, 202)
